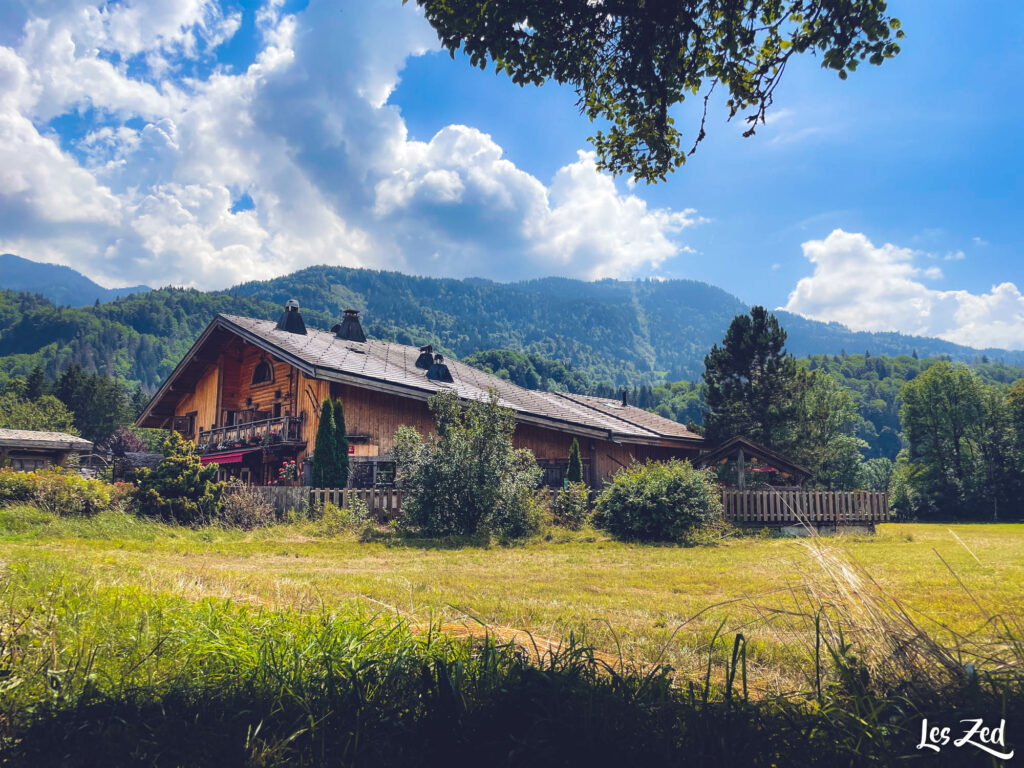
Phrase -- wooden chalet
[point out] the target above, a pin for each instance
(248, 393)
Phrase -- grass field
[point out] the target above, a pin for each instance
(648, 603)
(126, 642)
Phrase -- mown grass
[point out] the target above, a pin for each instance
(618, 596)
(283, 645)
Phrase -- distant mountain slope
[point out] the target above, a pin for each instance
(637, 332)
(61, 285)
(619, 331)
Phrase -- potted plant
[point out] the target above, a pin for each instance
(287, 473)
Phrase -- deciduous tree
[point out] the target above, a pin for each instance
(468, 477)
(631, 62)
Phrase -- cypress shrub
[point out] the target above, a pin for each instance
(325, 452)
(575, 471)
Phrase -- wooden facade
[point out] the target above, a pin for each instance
(251, 406)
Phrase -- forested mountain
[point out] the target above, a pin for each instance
(613, 332)
(139, 338)
(622, 332)
(61, 285)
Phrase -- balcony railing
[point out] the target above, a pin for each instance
(280, 431)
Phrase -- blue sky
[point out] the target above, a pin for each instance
(202, 144)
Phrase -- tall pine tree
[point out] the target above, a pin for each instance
(749, 382)
(35, 384)
(341, 441)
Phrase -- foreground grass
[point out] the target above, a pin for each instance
(96, 673)
(650, 604)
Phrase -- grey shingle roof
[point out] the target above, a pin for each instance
(28, 438)
(395, 364)
(634, 415)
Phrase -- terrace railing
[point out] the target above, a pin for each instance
(283, 429)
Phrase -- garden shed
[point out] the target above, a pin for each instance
(26, 450)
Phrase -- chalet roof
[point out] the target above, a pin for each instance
(392, 367)
(54, 441)
(732, 446)
(140, 459)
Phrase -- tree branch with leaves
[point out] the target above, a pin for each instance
(632, 61)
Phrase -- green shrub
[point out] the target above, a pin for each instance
(242, 506)
(658, 501)
(16, 486)
(338, 521)
(180, 489)
(571, 506)
(66, 494)
(468, 478)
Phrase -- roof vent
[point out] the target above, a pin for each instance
(426, 358)
(291, 320)
(349, 328)
(438, 371)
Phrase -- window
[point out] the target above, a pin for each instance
(263, 373)
(28, 464)
(186, 425)
(555, 471)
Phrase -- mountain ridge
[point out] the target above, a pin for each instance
(618, 332)
(62, 285)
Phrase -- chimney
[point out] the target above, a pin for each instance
(426, 358)
(624, 401)
(291, 320)
(349, 328)
(439, 371)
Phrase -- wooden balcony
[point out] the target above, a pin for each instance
(284, 430)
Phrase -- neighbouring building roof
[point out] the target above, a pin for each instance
(638, 416)
(392, 367)
(140, 459)
(54, 441)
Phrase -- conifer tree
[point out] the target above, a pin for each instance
(341, 442)
(575, 472)
(325, 453)
(35, 384)
(749, 381)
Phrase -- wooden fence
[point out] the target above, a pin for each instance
(383, 503)
(772, 506)
(789, 506)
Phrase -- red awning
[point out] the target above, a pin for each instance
(224, 458)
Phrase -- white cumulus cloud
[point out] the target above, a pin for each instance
(879, 288)
(169, 138)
